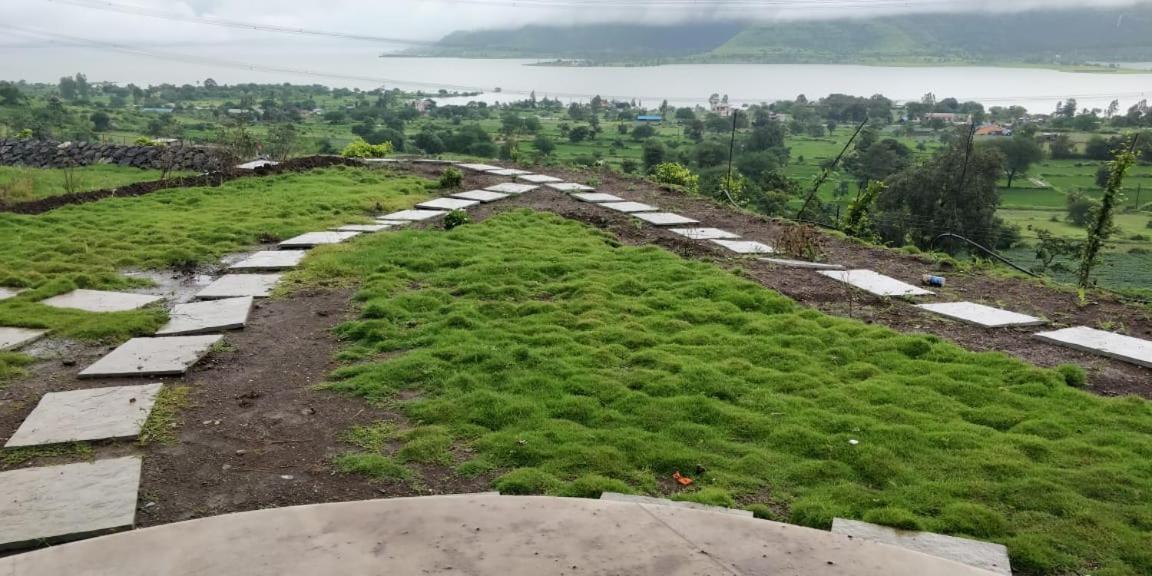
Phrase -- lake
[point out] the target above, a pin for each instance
(1036, 89)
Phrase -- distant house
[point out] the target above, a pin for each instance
(423, 105)
(720, 106)
(649, 118)
(993, 130)
(947, 118)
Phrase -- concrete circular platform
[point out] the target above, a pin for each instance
(479, 535)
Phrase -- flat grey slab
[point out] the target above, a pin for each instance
(539, 178)
(570, 187)
(240, 285)
(984, 555)
(745, 246)
(1108, 344)
(617, 497)
(597, 197)
(479, 167)
(164, 356)
(392, 223)
(6, 293)
(509, 172)
(207, 317)
(512, 188)
(70, 502)
(363, 228)
(270, 260)
(80, 415)
(629, 207)
(430, 161)
(704, 233)
(875, 283)
(447, 204)
(480, 196)
(100, 301)
(312, 239)
(665, 219)
(256, 164)
(413, 215)
(803, 264)
(13, 338)
(982, 315)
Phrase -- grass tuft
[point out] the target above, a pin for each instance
(372, 465)
(18, 456)
(161, 426)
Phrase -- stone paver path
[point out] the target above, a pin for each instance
(480, 196)
(268, 260)
(6, 293)
(512, 188)
(984, 555)
(414, 215)
(240, 285)
(509, 172)
(447, 204)
(745, 246)
(313, 239)
(570, 187)
(1118, 346)
(364, 228)
(83, 415)
(597, 197)
(61, 503)
(100, 301)
(479, 167)
(704, 233)
(165, 356)
(982, 315)
(207, 317)
(875, 283)
(539, 179)
(805, 264)
(629, 207)
(13, 338)
(665, 219)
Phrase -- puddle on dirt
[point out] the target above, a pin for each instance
(181, 287)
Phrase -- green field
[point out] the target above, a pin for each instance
(90, 245)
(538, 350)
(21, 184)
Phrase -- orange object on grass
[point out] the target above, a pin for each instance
(683, 480)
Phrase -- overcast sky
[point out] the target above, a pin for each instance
(430, 19)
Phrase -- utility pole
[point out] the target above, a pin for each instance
(731, 152)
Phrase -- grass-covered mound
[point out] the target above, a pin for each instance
(539, 348)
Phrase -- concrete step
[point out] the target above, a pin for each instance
(617, 497)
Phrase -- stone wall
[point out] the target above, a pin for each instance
(49, 154)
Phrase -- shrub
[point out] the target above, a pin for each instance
(362, 149)
(630, 166)
(24, 134)
(526, 481)
(451, 178)
(456, 218)
(1073, 375)
(676, 175)
(142, 141)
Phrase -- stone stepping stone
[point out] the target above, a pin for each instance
(982, 315)
(1108, 344)
(270, 260)
(240, 285)
(414, 215)
(313, 239)
(539, 178)
(617, 497)
(509, 172)
(13, 338)
(60, 503)
(447, 204)
(256, 164)
(479, 167)
(596, 197)
(208, 317)
(484, 196)
(570, 187)
(984, 555)
(875, 283)
(802, 264)
(704, 233)
(82, 415)
(6, 293)
(665, 219)
(430, 161)
(745, 246)
(629, 207)
(511, 188)
(363, 228)
(99, 301)
(392, 223)
(165, 356)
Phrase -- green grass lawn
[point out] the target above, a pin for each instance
(89, 245)
(21, 184)
(568, 364)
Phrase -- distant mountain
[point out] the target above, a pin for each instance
(1042, 37)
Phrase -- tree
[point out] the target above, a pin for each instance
(1020, 153)
(685, 114)
(643, 132)
(579, 134)
(283, 141)
(765, 137)
(1097, 148)
(210, 83)
(10, 95)
(1061, 147)
(430, 143)
(544, 144)
(1081, 208)
(67, 88)
(653, 154)
(1102, 228)
(101, 121)
(940, 195)
(876, 161)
